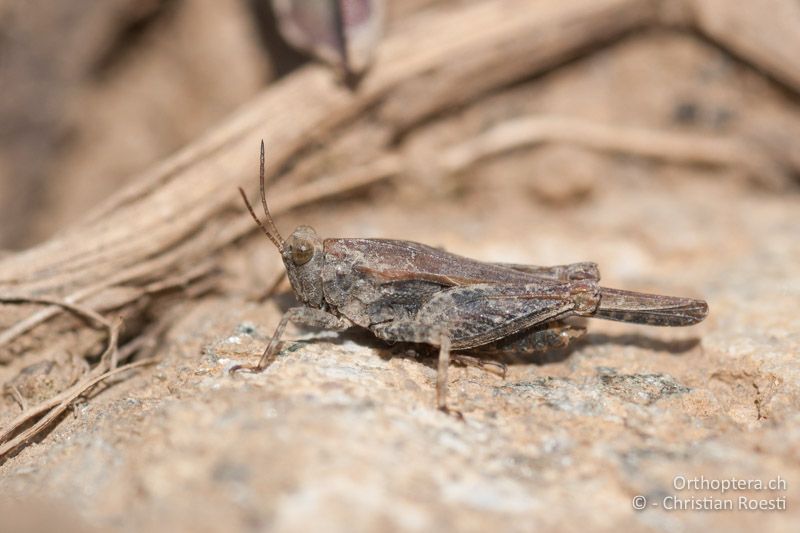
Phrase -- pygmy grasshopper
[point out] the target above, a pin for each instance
(403, 291)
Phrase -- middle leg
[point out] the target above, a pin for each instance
(299, 315)
(412, 331)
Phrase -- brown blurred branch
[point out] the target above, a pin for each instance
(668, 146)
(765, 33)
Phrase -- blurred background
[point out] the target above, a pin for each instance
(94, 92)
(659, 138)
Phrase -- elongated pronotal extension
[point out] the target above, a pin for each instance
(651, 309)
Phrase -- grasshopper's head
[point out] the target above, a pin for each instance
(302, 254)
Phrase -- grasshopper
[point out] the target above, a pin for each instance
(403, 291)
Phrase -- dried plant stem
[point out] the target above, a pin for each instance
(56, 405)
(14, 392)
(383, 168)
(279, 279)
(679, 147)
(54, 408)
(83, 312)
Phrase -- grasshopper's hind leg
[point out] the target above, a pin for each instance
(553, 335)
(474, 360)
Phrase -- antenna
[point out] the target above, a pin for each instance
(276, 239)
(264, 201)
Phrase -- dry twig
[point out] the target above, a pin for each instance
(676, 147)
(53, 407)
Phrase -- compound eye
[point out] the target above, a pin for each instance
(302, 252)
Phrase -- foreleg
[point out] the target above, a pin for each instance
(307, 316)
